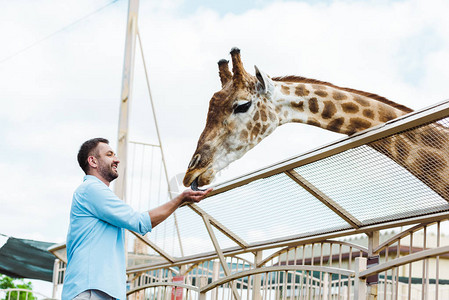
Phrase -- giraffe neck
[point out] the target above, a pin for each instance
(420, 151)
(329, 107)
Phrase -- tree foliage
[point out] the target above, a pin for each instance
(7, 282)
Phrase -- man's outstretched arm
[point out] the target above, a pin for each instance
(159, 214)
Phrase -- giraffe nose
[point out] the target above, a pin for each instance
(194, 162)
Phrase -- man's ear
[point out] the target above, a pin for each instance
(264, 83)
(92, 161)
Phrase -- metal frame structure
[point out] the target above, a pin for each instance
(244, 283)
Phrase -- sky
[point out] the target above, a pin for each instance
(61, 66)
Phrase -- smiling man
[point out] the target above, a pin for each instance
(96, 267)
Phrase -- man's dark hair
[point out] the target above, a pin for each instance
(86, 150)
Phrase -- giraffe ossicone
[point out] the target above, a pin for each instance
(249, 108)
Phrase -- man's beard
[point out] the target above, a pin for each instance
(106, 172)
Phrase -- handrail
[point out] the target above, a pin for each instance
(404, 260)
(358, 247)
(246, 273)
(157, 284)
(230, 256)
(400, 236)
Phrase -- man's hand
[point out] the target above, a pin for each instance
(162, 212)
(190, 196)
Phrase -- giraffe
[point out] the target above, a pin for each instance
(249, 108)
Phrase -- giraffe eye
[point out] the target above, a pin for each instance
(241, 108)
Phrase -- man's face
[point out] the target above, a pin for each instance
(107, 162)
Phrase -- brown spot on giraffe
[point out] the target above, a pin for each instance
(389, 140)
(301, 90)
(429, 162)
(255, 131)
(411, 135)
(318, 86)
(368, 113)
(263, 115)
(335, 124)
(265, 127)
(314, 122)
(252, 86)
(386, 114)
(298, 105)
(249, 126)
(256, 116)
(329, 110)
(432, 137)
(339, 95)
(271, 116)
(313, 105)
(350, 107)
(321, 93)
(243, 135)
(239, 148)
(357, 124)
(361, 101)
(285, 90)
(402, 150)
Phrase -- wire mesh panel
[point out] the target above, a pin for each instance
(374, 186)
(270, 208)
(194, 236)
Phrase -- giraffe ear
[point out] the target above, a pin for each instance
(264, 83)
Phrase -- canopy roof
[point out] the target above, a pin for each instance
(20, 258)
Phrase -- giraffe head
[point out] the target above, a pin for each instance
(240, 116)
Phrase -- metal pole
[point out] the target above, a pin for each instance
(125, 100)
(55, 278)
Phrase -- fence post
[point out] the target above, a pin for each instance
(203, 283)
(55, 278)
(359, 283)
(215, 277)
(257, 278)
(326, 285)
(373, 243)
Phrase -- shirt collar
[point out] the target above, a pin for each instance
(91, 177)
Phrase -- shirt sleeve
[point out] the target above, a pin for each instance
(106, 206)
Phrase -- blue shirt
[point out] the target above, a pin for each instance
(95, 241)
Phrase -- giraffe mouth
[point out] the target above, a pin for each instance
(194, 185)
